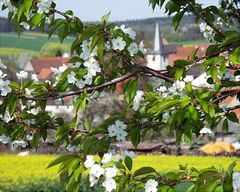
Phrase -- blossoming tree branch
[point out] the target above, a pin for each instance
(102, 56)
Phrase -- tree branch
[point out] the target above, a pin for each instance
(61, 13)
(204, 19)
(139, 71)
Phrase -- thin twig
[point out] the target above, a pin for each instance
(204, 18)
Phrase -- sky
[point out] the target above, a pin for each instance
(93, 10)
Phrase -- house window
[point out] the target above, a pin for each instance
(153, 58)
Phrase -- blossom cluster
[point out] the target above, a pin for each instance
(105, 170)
(206, 30)
(176, 88)
(102, 169)
(44, 5)
(8, 4)
(119, 43)
(118, 130)
(4, 84)
(15, 144)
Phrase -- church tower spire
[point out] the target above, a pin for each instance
(157, 40)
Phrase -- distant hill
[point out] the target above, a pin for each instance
(145, 27)
(36, 43)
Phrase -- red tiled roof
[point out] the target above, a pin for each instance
(184, 52)
(47, 62)
(44, 74)
(174, 57)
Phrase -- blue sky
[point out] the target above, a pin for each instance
(93, 10)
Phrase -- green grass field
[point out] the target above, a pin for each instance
(32, 43)
(15, 170)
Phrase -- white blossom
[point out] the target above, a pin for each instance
(151, 186)
(80, 84)
(166, 116)
(35, 111)
(72, 77)
(7, 116)
(29, 137)
(8, 4)
(129, 154)
(25, 25)
(28, 92)
(107, 158)
(2, 75)
(109, 184)
(180, 85)
(4, 87)
(117, 129)
(133, 49)
(44, 5)
(121, 136)
(96, 170)
(118, 44)
(92, 67)
(4, 139)
(22, 75)
(73, 148)
(236, 182)
(17, 144)
(162, 89)
(34, 77)
(112, 131)
(120, 124)
(137, 100)
(206, 131)
(89, 162)
(93, 180)
(2, 66)
(206, 30)
(128, 31)
(117, 158)
(111, 172)
(85, 54)
(142, 48)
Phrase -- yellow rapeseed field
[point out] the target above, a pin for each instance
(32, 169)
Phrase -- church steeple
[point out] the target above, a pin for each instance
(158, 40)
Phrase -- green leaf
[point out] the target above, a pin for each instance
(86, 34)
(179, 73)
(214, 73)
(228, 180)
(24, 8)
(12, 104)
(225, 126)
(61, 159)
(235, 57)
(211, 110)
(100, 50)
(233, 117)
(62, 32)
(135, 136)
(211, 50)
(79, 103)
(144, 170)
(69, 12)
(128, 162)
(176, 19)
(36, 19)
(130, 90)
(106, 17)
(54, 25)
